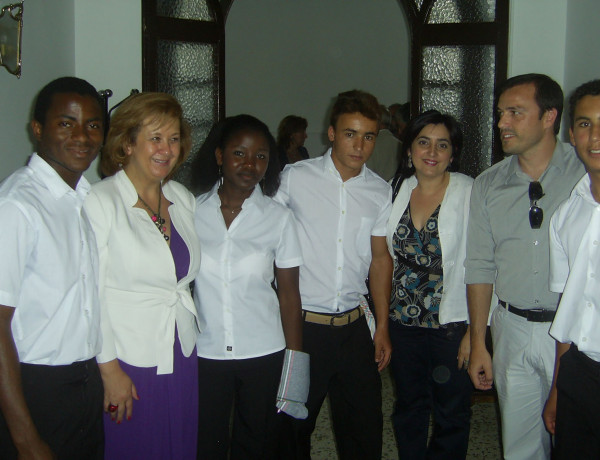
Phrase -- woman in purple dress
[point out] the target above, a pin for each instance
(149, 253)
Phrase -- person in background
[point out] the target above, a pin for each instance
(573, 406)
(342, 209)
(249, 242)
(291, 135)
(50, 386)
(149, 254)
(426, 234)
(386, 154)
(511, 205)
(400, 115)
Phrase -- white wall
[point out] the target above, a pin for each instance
(99, 41)
(47, 52)
(537, 35)
(108, 49)
(582, 61)
(294, 57)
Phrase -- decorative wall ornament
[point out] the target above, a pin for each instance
(11, 27)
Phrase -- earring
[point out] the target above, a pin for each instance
(410, 162)
(220, 176)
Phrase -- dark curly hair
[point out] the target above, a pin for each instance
(205, 170)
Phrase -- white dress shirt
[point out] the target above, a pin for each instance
(237, 307)
(453, 220)
(575, 270)
(141, 299)
(336, 220)
(49, 267)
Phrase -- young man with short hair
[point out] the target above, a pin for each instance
(507, 249)
(342, 208)
(50, 388)
(572, 412)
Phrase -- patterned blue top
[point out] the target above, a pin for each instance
(418, 277)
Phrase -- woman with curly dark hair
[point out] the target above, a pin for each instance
(248, 242)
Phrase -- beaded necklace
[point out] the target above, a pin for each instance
(156, 218)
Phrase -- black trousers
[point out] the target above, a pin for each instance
(342, 364)
(250, 387)
(65, 403)
(578, 407)
(424, 368)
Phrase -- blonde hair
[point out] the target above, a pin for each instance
(129, 118)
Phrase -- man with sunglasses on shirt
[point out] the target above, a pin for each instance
(511, 206)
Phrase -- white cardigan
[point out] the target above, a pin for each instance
(453, 219)
(141, 299)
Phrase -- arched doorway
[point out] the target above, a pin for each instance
(458, 49)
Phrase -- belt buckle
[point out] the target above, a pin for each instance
(333, 318)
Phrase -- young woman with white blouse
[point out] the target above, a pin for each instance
(249, 244)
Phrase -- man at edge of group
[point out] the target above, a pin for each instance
(50, 387)
(511, 206)
(342, 209)
(572, 412)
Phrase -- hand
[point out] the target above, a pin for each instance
(480, 368)
(549, 414)
(383, 348)
(36, 450)
(464, 351)
(119, 391)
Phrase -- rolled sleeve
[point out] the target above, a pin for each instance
(380, 227)
(17, 235)
(479, 263)
(559, 263)
(289, 252)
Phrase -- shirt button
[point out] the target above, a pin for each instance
(535, 272)
(536, 301)
(535, 243)
(339, 240)
(592, 275)
(584, 339)
(339, 268)
(589, 305)
(595, 242)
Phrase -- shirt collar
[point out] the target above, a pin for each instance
(329, 167)
(558, 160)
(129, 192)
(583, 190)
(52, 180)
(256, 198)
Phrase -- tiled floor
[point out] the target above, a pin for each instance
(484, 442)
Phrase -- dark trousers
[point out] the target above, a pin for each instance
(424, 368)
(65, 403)
(342, 363)
(578, 407)
(250, 386)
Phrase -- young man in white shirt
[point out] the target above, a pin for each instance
(50, 388)
(342, 209)
(573, 407)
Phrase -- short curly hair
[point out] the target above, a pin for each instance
(128, 120)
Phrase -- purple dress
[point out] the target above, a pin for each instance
(164, 423)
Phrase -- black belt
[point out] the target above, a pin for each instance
(535, 315)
